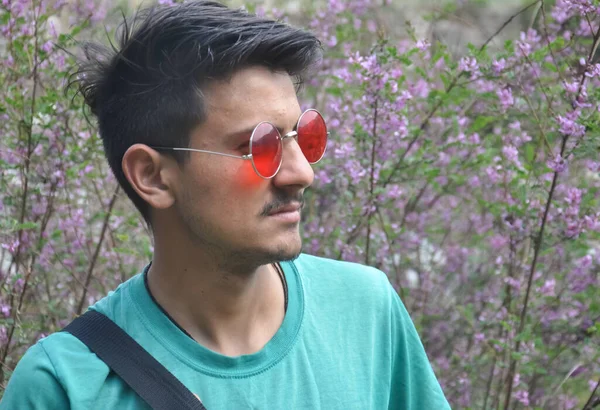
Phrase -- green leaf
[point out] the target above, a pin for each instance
(26, 226)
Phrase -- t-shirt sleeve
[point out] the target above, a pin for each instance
(34, 384)
(414, 385)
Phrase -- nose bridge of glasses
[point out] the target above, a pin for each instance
(291, 134)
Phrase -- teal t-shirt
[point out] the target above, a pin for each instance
(346, 342)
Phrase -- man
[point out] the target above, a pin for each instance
(201, 125)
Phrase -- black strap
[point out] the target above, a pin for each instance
(132, 363)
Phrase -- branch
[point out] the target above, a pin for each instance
(422, 127)
(371, 183)
(590, 404)
(29, 130)
(450, 87)
(538, 244)
(589, 58)
(536, 252)
(507, 22)
(97, 251)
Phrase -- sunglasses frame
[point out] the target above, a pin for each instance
(291, 134)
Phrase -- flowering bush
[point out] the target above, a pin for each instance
(471, 180)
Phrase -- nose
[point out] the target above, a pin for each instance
(295, 169)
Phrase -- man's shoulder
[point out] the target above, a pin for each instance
(117, 300)
(344, 277)
(51, 372)
(61, 352)
(64, 350)
(310, 264)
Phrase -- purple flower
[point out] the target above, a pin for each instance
(423, 45)
(512, 155)
(420, 88)
(11, 247)
(522, 396)
(593, 71)
(493, 174)
(591, 222)
(498, 66)
(48, 46)
(561, 12)
(568, 126)
(573, 197)
(474, 181)
(345, 150)
(513, 283)
(401, 100)
(572, 87)
(371, 65)
(582, 7)
(524, 47)
(394, 192)
(469, 65)
(498, 241)
(9, 62)
(372, 26)
(558, 164)
(5, 309)
(402, 130)
(506, 97)
(547, 288)
(323, 177)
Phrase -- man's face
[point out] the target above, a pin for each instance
(221, 201)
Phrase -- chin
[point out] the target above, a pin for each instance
(287, 250)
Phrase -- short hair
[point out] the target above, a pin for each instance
(148, 88)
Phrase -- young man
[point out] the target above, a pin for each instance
(202, 128)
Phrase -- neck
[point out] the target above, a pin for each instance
(233, 310)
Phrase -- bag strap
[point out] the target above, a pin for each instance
(132, 363)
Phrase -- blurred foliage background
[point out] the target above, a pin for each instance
(463, 162)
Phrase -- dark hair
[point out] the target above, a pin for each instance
(147, 89)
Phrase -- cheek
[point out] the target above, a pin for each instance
(246, 178)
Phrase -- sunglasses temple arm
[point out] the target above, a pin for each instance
(213, 152)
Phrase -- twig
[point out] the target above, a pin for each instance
(537, 247)
(371, 183)
(15, 314)
(422, 127)
(536, 252)
(97, 251)
(450, 87)
(390, 242)
(488, 387)
(589, 58)
(561, 383)
(29, 130)
(589, 404)
(545, 25)
(507, 22)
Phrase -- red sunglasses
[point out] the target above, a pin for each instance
(266, 143)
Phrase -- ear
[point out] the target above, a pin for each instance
(151, 175)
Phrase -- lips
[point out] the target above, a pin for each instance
(294, 207)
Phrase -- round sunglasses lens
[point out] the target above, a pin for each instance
(312, 135)
(266, 149)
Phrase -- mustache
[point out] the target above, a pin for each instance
(282, 199)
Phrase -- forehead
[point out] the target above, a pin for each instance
(250, 96)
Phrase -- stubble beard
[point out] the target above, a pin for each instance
(242, 257)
